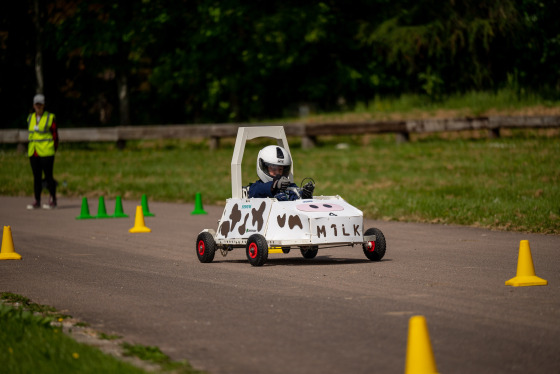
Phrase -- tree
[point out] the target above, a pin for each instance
(443, 43)
(186, 61)
(108, 37)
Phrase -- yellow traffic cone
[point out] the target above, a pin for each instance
(419, 354)
(7, 252)
(139, 225)
(525, 269)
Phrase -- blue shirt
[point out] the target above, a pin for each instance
(261, 189)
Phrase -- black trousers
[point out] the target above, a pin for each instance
(40, 165)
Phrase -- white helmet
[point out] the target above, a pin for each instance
(273, 155)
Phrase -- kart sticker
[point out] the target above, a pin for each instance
(258, 216)
(293, 221)
(319, 207)
(325, 229)
(242, 216)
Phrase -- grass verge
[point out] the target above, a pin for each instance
(32, 341)
(510, 183)
(504, 102)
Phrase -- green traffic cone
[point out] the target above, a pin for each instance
(84, 214)
(119, 213)
(198, 205)
(101, 211)
(145, 208)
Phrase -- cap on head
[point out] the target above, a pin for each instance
(39, 99)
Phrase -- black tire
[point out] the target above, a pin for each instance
(257, 250)
(205, 247)
(309, 252)
(286, 249)
(378, 247)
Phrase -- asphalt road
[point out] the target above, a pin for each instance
(336, 313)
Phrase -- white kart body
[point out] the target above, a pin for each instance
(306, 222)
(263, 224)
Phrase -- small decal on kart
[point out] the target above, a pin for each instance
(258, 216)
(293, 221)
(236, 216)
(319, 207)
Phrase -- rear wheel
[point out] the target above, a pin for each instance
(375, 250)
(309, 252)
(205, 247)
(257, 250)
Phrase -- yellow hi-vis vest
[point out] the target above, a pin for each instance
(40, 136)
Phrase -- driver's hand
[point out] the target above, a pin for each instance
(280, 183)
(307, 191)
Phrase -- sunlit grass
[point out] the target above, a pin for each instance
(510, 183)
(506, 102)
(32, 340)
(29, 343)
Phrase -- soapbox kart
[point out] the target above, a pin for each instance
(263, 225)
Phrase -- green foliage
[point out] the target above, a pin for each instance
(455, 39)
(168, 62)
(431, 83)
(231, 61)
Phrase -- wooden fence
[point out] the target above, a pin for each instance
(308, 132)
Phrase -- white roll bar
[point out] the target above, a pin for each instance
(248, 133)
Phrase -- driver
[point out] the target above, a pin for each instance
(274, 164)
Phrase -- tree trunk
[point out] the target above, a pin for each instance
(38, 48)
(122, 85)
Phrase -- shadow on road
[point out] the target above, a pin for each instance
(317, 261)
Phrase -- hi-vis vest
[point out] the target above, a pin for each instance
(40, 136)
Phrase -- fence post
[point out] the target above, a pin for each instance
(214, 142)
(308, 141)
(402, 137)
(494, 133)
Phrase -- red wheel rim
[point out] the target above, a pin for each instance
(252, 250)
(372, 249)
(201, 247)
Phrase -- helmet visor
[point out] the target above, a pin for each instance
(274, 170)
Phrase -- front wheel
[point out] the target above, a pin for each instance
(205, 247)
(257, 250)
(375, 250)
(309, 252)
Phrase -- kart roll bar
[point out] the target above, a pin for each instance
(248, 133)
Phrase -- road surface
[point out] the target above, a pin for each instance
(336, 313)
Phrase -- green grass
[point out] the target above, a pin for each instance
(505, 102)
(155, 355)
(24, 303)
(32, 341)
(30, 344)
(104, 336)
(511, 183)
(466, 104)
